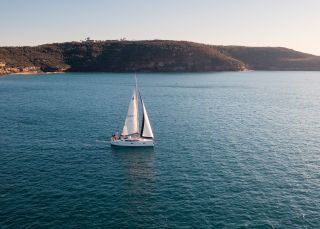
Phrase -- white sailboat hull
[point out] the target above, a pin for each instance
(138, 142)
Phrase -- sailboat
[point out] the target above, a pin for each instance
(132, 134)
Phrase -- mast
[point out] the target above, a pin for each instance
(137, 102)
(136, 81)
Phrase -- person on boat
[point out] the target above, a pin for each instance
(116, 136)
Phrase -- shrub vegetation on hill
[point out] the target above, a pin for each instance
(154, 56)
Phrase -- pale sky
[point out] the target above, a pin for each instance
(288, 23)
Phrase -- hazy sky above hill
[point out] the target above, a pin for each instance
(290, 23)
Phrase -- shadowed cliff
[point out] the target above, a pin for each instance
(152, 56)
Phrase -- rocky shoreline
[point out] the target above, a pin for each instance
(25, 71)
(16, 70)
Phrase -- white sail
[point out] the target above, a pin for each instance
(131, 125)
(146, 130)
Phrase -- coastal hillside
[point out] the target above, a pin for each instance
(272, 58)
(147, 56)
(150, 56)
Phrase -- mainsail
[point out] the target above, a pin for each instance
(146, 130)
(131, 125)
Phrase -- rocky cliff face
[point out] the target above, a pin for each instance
(150, 56)
(23, 70)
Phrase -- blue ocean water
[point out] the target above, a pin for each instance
(233, 150)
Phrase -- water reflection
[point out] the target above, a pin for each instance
(136, 163)
(137, 180)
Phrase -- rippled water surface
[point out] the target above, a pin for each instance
(234, 150)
